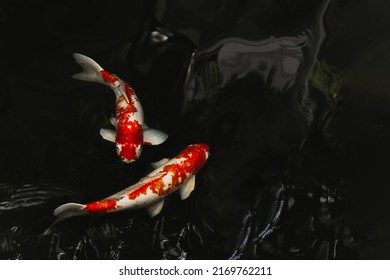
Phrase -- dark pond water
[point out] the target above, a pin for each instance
(292, 96)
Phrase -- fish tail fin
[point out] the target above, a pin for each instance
(91, 70)
(66, 211)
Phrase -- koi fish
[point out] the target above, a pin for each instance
(131, 132)
(169, 176)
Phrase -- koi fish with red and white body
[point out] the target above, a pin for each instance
(169, 176)
(131, 132)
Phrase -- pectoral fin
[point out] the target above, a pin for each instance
(113, 121)
(108, 134)
(186, 189)
(154, 136)
(155, 209)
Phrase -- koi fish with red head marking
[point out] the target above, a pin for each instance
(169, 176)
(131, 132)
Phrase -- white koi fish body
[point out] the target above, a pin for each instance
(131, 133)
(150, 191)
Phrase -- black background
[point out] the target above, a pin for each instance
(283, 180)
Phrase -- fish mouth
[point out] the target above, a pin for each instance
(205, 148)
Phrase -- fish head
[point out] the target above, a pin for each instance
(203, 148)
(129, 139)
(128, 152)
(195, 156)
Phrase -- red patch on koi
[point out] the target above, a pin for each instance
(130, 93)
(107, 77)
(123, 112)
(156, 186)
(129, 135)
(178, 173)
(195, 157)
(101, 206)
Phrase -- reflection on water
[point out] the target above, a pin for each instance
(274, 60)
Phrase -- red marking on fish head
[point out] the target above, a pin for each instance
(202, 148)
(128, 152)
(101, 206)
(129, 138)
(195, 157)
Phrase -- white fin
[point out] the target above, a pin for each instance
(67, 208)
(91, 70)
(187, 189)
(66, 211)
(91, 73)
(154, 137)
(155, 209)
(113, 121)
(108, 134)
(159, 163)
